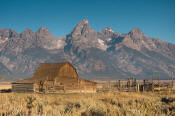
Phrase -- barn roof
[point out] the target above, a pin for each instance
(26, 81)
(48, 71)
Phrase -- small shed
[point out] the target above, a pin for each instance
(54, 78)
(26, 85)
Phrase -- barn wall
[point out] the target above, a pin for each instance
(76, 85)
(23, 87)
(87, 86)
(69, 83)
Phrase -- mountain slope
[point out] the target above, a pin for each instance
(103, 54)
(4, 70)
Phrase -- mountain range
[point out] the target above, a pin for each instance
(105, 54)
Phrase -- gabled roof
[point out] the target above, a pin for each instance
(48, 71)
(25, 81)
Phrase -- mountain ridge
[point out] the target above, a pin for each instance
(105, 53)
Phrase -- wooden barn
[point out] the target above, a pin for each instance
(54, 78)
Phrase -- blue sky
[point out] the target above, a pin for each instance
(156, 18)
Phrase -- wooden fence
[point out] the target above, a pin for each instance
(133, 85)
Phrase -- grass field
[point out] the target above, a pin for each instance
(97, 104)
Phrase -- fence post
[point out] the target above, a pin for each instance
(152, 85)
(172, 84)
(138, 87)
(128, 84)
(119, 84)
(144, 85)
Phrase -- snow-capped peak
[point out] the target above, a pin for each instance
(102, 45)
(108, 29)
(3, 40)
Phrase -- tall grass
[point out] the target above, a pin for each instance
(97, 104)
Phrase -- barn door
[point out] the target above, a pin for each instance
(41, 88)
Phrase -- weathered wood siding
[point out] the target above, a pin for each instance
(67, 71)
(45, 71)
(22, 87)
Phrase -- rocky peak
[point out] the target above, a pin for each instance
(136, 32)
(85, 21)
(107, 33)
(27, 33)
(108, 29)
(43, 30)
(8, 33)
(28, 30)
(81, 28)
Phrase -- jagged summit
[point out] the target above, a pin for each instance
(108, 29)
(8, 33)
(43, 30)
(81, 28)
(136, 31)
(85, 21)
(27, 30)
(108, 33)
(82, 23)
(27, 33)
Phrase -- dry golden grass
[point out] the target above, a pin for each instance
(97, 104)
